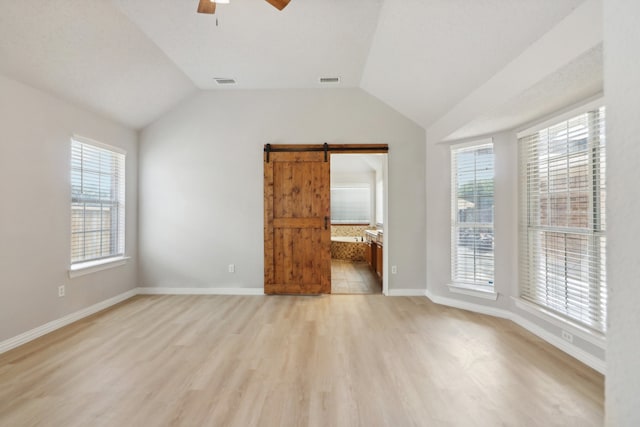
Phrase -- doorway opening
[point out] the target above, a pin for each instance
(297, 215)
(358, 218)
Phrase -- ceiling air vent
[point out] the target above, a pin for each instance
(329, 80)
(224, 81)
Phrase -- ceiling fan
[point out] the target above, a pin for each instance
(209, 6)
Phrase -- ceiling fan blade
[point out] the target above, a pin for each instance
(206, 6)
(278, 4)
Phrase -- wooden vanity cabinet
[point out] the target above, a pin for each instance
(373, 253)
(379, 262)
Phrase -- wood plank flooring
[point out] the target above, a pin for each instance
(348, 360)
(353, 278)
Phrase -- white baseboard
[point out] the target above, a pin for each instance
(572, 350)
(200, 291)
(599, 340)
(585, 357)
(469, 306)
(406, 292)
(34, 333)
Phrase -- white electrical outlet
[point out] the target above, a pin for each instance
(61, 291)
(394, 269)
(567, 336)
(232, 268)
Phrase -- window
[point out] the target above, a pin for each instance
(472, 206)
(563, 242)
(351, 204)
(97, 201)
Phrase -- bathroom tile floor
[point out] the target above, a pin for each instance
(349, 277)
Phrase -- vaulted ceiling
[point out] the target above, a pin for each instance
(259, 46)
(133, 60)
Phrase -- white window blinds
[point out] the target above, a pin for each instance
(97, 202)
(472, 207)
(351, 204)
(562, 229)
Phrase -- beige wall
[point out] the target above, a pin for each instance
(622, 89)
(201, 181)
(505, 222)
(35, 212)
(506, 242)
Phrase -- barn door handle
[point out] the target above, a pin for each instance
(326, 221)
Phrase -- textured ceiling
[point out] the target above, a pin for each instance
(428, 54)
(132, 60)
(88, 52)
(580, 79)
(258, 45)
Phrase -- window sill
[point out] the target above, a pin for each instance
(586, 334)
(474, 291)
(89, 267)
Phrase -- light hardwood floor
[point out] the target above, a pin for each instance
(348, 360)
(353, 278)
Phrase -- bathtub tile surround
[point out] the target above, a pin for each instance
(344, 249)
(349, 251)
(349, 230)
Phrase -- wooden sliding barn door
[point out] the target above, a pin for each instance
(297, 224)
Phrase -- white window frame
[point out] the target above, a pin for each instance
(532, 283)
(475, 287)
(116, 257)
